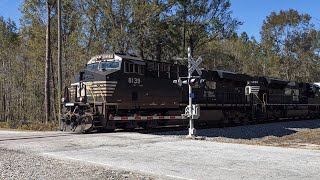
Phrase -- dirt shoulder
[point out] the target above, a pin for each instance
(294, 134)
(305, 139)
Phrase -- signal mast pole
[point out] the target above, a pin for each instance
(192, 131)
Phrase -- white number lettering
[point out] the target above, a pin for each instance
(134, 80)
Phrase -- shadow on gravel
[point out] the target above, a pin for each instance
(278, 129)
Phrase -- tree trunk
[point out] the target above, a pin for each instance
(59, 60)
(47, 66)
(54, 91)
(142, 49)
(191, 45)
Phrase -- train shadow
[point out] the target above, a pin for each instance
(277, 129)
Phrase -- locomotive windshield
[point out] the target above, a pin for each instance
(93, 66)
(109, 65)
(104, 65)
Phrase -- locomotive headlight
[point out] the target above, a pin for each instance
(81, 99)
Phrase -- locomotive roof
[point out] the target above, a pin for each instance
(232, 75)
(106, 56)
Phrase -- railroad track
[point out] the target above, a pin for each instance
(33, 137)
(204, 126)
(161, 129)
(143, 131)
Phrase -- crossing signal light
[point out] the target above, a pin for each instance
(192, 81)
(202, 83)
(178, 82)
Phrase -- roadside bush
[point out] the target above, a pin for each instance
(36, 126)
(3, 125)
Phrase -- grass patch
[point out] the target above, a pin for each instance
(309, 136)
(35, 126)
(3, 125)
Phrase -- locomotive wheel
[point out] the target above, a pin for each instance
(85, 126)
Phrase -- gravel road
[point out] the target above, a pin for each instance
(20, 165)
(132, 155)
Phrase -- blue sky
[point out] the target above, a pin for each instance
(10, 9)
(251, 12)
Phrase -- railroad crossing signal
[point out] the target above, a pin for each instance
(194, 65)
(191, 111)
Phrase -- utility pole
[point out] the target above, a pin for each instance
(59, 62)
(47, 66)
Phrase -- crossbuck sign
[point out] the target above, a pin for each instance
(194, 65)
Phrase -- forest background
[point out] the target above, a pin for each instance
(153, 29)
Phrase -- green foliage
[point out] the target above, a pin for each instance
(154, 29)
(292, 38)
(203, 21)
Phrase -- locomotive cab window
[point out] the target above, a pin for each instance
(126, 67)
(136, 68)
(166, 69)
(130, 67)
(141, 70)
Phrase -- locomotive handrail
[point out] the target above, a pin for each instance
(101, 94)
(258, 98)
(103, 97)
(94, 100)
(264, 98)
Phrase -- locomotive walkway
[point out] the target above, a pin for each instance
(168, 157)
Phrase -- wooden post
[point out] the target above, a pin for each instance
(59, 63)
(47, 66)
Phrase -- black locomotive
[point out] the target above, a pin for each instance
(123, 91)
